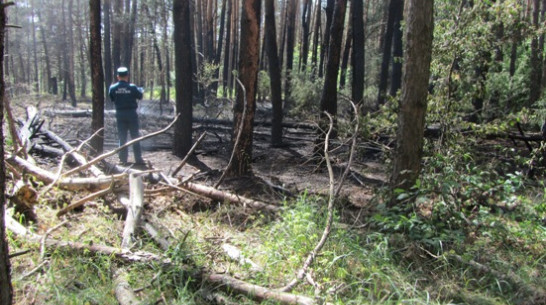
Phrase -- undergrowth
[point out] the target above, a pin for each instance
(471, 231)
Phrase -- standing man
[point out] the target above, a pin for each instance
(124, 95)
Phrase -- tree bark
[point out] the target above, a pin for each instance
(328, 100)
(413, 106)
(6, 289)
(357, 57)
(535, 58)
(183, 69)
(97, 76)
(397, 50)
(274, 73)
(246, 92)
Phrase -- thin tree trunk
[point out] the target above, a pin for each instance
(326, 40)
(387, 51)
(228, 49)
(274, 73)
(290, 43)
(346, 53)
(535, 59)
(305, 23)
(328, 100)
(316, 35)
(6, 289)
(108, 71)
(357, 57)
(246, 93)
(183, 69)
(397, 50)
(97, 75)
(413, 106)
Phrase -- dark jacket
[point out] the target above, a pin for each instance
(124, 95)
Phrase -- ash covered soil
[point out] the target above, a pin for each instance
(278, 172)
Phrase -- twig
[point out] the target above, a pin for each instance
(44, 238)
(311, 257)
(83, 200)
(189, 154)
(19, 253)
(333, 193)
(113, 152)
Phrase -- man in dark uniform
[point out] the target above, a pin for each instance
(125, 96)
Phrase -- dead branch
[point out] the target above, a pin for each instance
(189, 154)
(74, 153)
(333, 193)
(258, 292)
(123, 291)
(74, 184)
(113, 152)
(134, 209)
(123, 254)
(83, 200)
(222, 196)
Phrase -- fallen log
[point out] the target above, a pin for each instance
(73, 184)
(134, 209)
(79, 158)
(123, 254)
(258, 292)
(222, 196)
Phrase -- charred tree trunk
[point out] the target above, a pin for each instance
(108, 69)
(413, 106)
(397, 50)
(97, 75)
(183, 69)
(326, 39)
(305, 23)
(357, 57)
(274, 73)
(394, 6)
(290, 43)
(245, 104)
(328, 100)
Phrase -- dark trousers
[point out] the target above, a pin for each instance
(127, 121)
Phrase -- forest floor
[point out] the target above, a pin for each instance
(371, 257)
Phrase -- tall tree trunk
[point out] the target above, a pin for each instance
(397, 50)
(108, 69)
(227, 51)
(346, 53)
(97, 75)
(69, 54)
(183, 70)
(274, 73)
(221, 34)
(536, 58)
(6, 289)
(394, 6)
(316, 35)
(357, 57)
(326, 39)
(413, 106)
(35, 56)
(290, 43)
(328, 99)
(245, 105)
(116, 33)
(305, 23)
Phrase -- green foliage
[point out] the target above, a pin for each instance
(305, 95)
